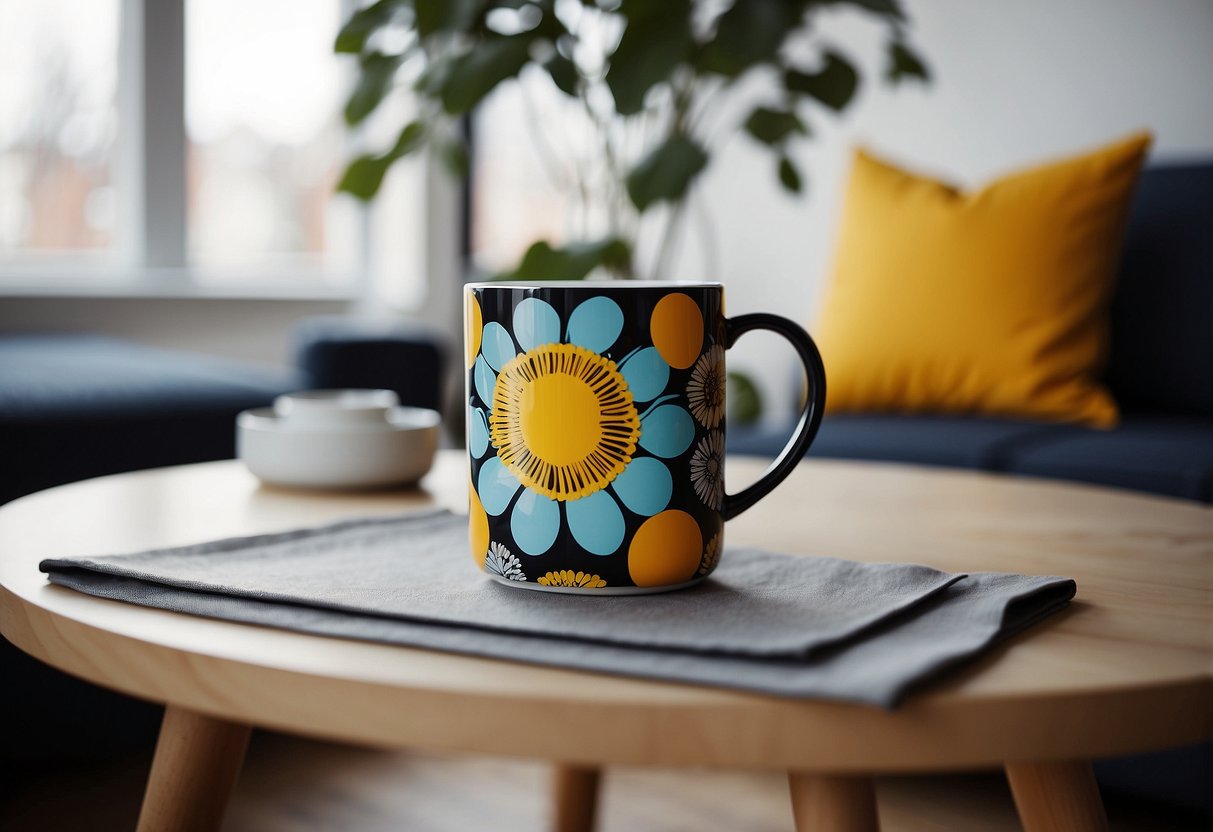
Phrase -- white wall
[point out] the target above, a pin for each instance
(1013, 82)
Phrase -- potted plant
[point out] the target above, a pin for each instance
(650, 77)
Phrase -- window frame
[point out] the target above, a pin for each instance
(150, 256)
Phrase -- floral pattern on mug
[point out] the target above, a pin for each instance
(501, 561)
(705, 391)
(566, 425)
(707, 470)
(711, 554)
(569, 578)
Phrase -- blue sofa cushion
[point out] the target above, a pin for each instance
(74, 407)
(346, 352)
(954, 441)
(1162, 310)
(1168, 455)
(86, 377)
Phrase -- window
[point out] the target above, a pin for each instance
(58, 127)
(263, 98)
(192, 146)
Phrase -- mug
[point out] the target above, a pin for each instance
(596, 431)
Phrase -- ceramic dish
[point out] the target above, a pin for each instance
(338, 439)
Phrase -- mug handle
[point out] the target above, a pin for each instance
(810, 416)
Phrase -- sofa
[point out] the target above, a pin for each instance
(75, 406)
(1160, 370)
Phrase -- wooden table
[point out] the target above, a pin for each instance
(1126, 668)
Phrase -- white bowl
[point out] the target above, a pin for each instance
(360, 442)
(336, 407)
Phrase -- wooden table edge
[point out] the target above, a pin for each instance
(812, 735)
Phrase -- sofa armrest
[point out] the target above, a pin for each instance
(342, 352)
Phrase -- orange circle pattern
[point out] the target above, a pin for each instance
(677, 330)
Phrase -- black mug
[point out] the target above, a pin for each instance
(596, 431)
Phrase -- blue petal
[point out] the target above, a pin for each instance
(486, 381)
(535, 323)
(478, 432)
(596, 523)
(667, 431)
(535, 522)
(595, 324)
(496, 486)
(496, 345)
(646, 374)
(645, 486)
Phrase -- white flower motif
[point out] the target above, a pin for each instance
(711, 554)
(707, 469)
(501, 561)
(705, 390)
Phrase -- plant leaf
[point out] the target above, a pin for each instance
(454, 155)
(666, 173)
(563, 72)
(473, 74)
(409, 140)
(888, 8)
(789, 177)
(833, 85)
(433, 77)
(748, 33)
(364, 176)
(903, 64)
(656, 39)
(363, 23)
(745, 402)
(445, 15)
(773, 126)
(374, 81)
(573, 262)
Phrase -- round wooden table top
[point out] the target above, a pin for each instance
(1127, 667)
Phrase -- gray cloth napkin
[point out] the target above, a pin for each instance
(779, 624)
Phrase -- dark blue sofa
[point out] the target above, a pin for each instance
(75, 406)
(79, 406)
(1160, 370)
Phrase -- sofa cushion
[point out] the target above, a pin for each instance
(73, 407)
(926, 440)
(340, 351)
(84, 377)
(1162, 311)
(991, 301)
(1169, 455)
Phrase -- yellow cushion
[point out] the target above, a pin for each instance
(992, 301)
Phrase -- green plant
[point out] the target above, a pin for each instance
(654, 69)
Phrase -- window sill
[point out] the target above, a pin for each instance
(175, 286)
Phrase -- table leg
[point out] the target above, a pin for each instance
(833, 803)
(576, 800)
(197, 760)
(1057, 795)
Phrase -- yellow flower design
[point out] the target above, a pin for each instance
(711, 554)
(563, 420)
(568, 577)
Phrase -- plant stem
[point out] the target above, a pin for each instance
(683, 97)
(673, 224)
(547, 153)
(711, 248)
